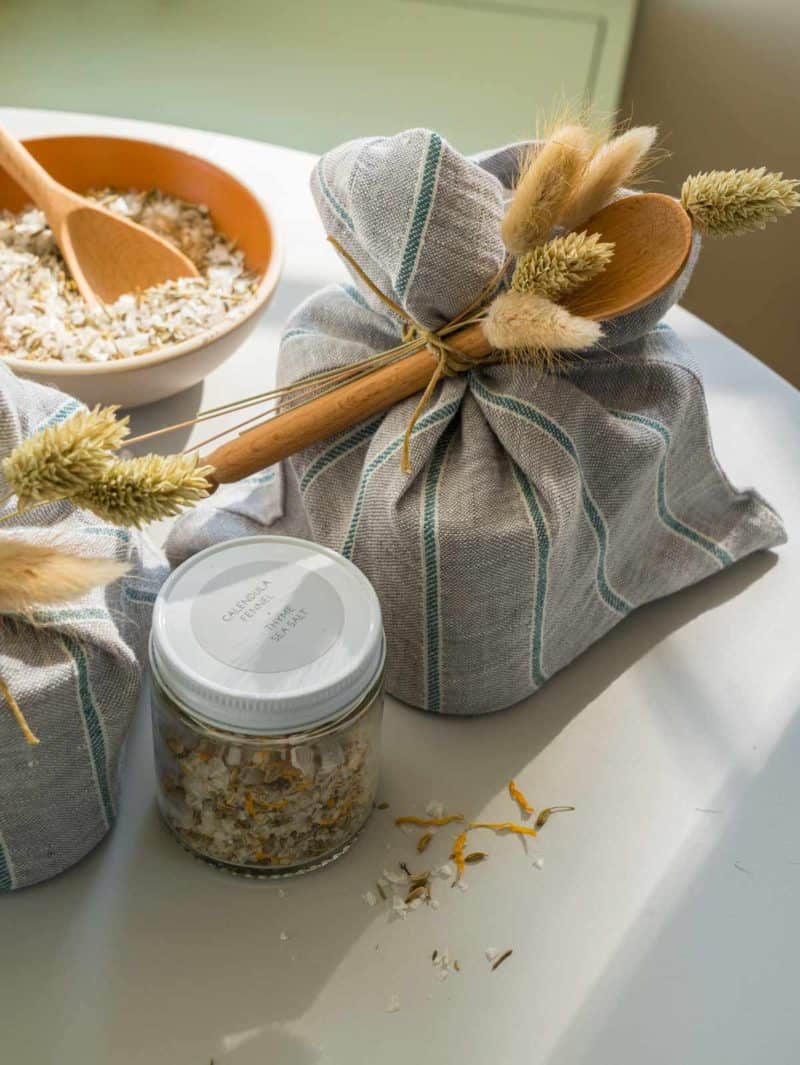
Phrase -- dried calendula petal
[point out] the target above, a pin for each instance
(499, 961)
(504, 826)
(423, 841)
(544, 816)
(416, 893)
(519, 797)
(458, 855)
(476, 856)
(428, 822)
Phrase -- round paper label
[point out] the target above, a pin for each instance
(267, 617)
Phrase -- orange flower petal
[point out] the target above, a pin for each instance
(519, 798)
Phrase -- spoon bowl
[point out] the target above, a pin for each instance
(652, 237)
(106, 255)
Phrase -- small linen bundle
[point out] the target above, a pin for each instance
(69, 671)
(543, 504)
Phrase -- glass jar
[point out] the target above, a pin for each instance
(267, 658)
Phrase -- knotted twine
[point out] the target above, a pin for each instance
(450, 360)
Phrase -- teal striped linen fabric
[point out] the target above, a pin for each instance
(74, 669)
(541, 510)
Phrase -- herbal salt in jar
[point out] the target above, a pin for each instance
(267, 658)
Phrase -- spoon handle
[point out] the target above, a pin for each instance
(331, 413)
(23, 168)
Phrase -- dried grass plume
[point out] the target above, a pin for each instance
(135, 491)
(730, 202)
(33, 575)
(60, 460)
(547, 180)
(526, 322)
(562, 265)
(612, 166)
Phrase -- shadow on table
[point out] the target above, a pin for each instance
(323, 913)
(150, 934)
(511, 739)
(708, 972)
(170, 411)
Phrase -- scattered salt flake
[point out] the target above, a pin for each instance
(399, 907)
(394, 878)
(445, 871)
(538, 863)
(444, 966)
(462, 886)
(43, 316)
(491, 953)
(434, 809)
(284, 936)
(281, 893)
(370, 898)
(393, 1005)
(415, 904)
(434, 904)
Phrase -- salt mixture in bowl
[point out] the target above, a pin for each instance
(156, 343)
(43, 316)
(267, 658)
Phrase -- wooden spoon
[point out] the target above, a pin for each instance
(652, 235)
(107, 255)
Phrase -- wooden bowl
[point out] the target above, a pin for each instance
(84, 162)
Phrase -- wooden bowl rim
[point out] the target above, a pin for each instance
(266, 286)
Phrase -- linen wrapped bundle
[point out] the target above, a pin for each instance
(541, 507)
(74, 670)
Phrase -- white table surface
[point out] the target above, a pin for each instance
(664, 926)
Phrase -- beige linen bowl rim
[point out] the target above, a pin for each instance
(266, 286)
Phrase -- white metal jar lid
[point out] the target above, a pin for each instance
(267, 634)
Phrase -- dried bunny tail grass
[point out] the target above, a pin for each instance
(730, 202)
(34, 575)
(61, 459)
(136, 491)
(562, 265)
(531, 325)
(612, 166)
(547, 180)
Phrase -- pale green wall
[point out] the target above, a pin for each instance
(310, 73)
